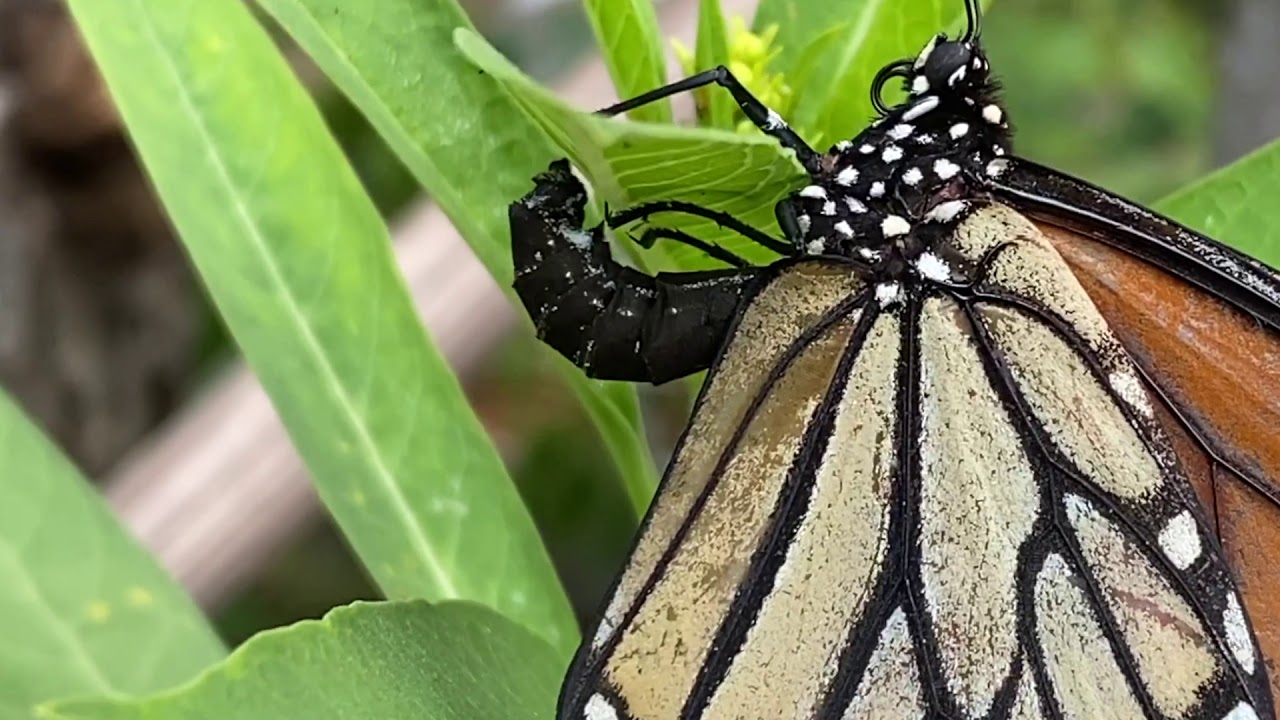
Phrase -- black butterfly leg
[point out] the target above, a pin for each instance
(757, 112)
(614, 322)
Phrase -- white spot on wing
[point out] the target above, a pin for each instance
(894, 225)
(912, 176)
(996, 167)
(888, 293)
(932, 267)
(1180, 540)
(843, 228)
(1238, 633)
(945, 168)
(1243, 711)
(817, 247)
(599, 709)
(1126, 385)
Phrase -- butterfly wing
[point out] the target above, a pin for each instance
(1202, 323)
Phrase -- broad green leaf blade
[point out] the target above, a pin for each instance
(300, 266)
(615, 410)
(380, 661)
(398, 64)
(1236, 205)
(628, 34)
(713, 50)
(835, 104)
(83, 608)
(631, 163)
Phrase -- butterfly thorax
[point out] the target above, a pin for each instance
(887, 196)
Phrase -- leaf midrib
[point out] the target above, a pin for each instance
(328, 375)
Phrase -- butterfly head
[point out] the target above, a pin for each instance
(946, 66)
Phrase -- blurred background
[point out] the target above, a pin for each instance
(108, 341)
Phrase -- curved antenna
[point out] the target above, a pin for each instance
(900, 68)
(973, 10)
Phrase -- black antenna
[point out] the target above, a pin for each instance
(973, 9)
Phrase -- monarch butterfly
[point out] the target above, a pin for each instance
(947, 457)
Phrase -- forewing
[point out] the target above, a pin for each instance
(730, 474)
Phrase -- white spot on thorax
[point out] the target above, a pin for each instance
(847, 176)
(920, 85)
(992, 114)
(923, 105)
(888, 293)
(957, 76)
(959, 130)
(877, 189)
(894, 225)
(901, 131)
(599, 709)
(1243, 711)
(867, 149)
(945, 168)
(843, 228)
(912, 176)
(814, 191)
(932, 267)
(925, 139)
(1180, 540)
(855, 205)
(817, 247)
(829, 208)
(947, 211)
(1238, 633)
(893, 153)
(843, 145)
(1126, 385)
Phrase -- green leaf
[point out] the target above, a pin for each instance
(379, 661)
(630, 163)
(835, 103)
(299, 264)
(628, 34)
(83, 608)
(713, 50)
(1236, 205)
(615, 410)
(474, 159)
